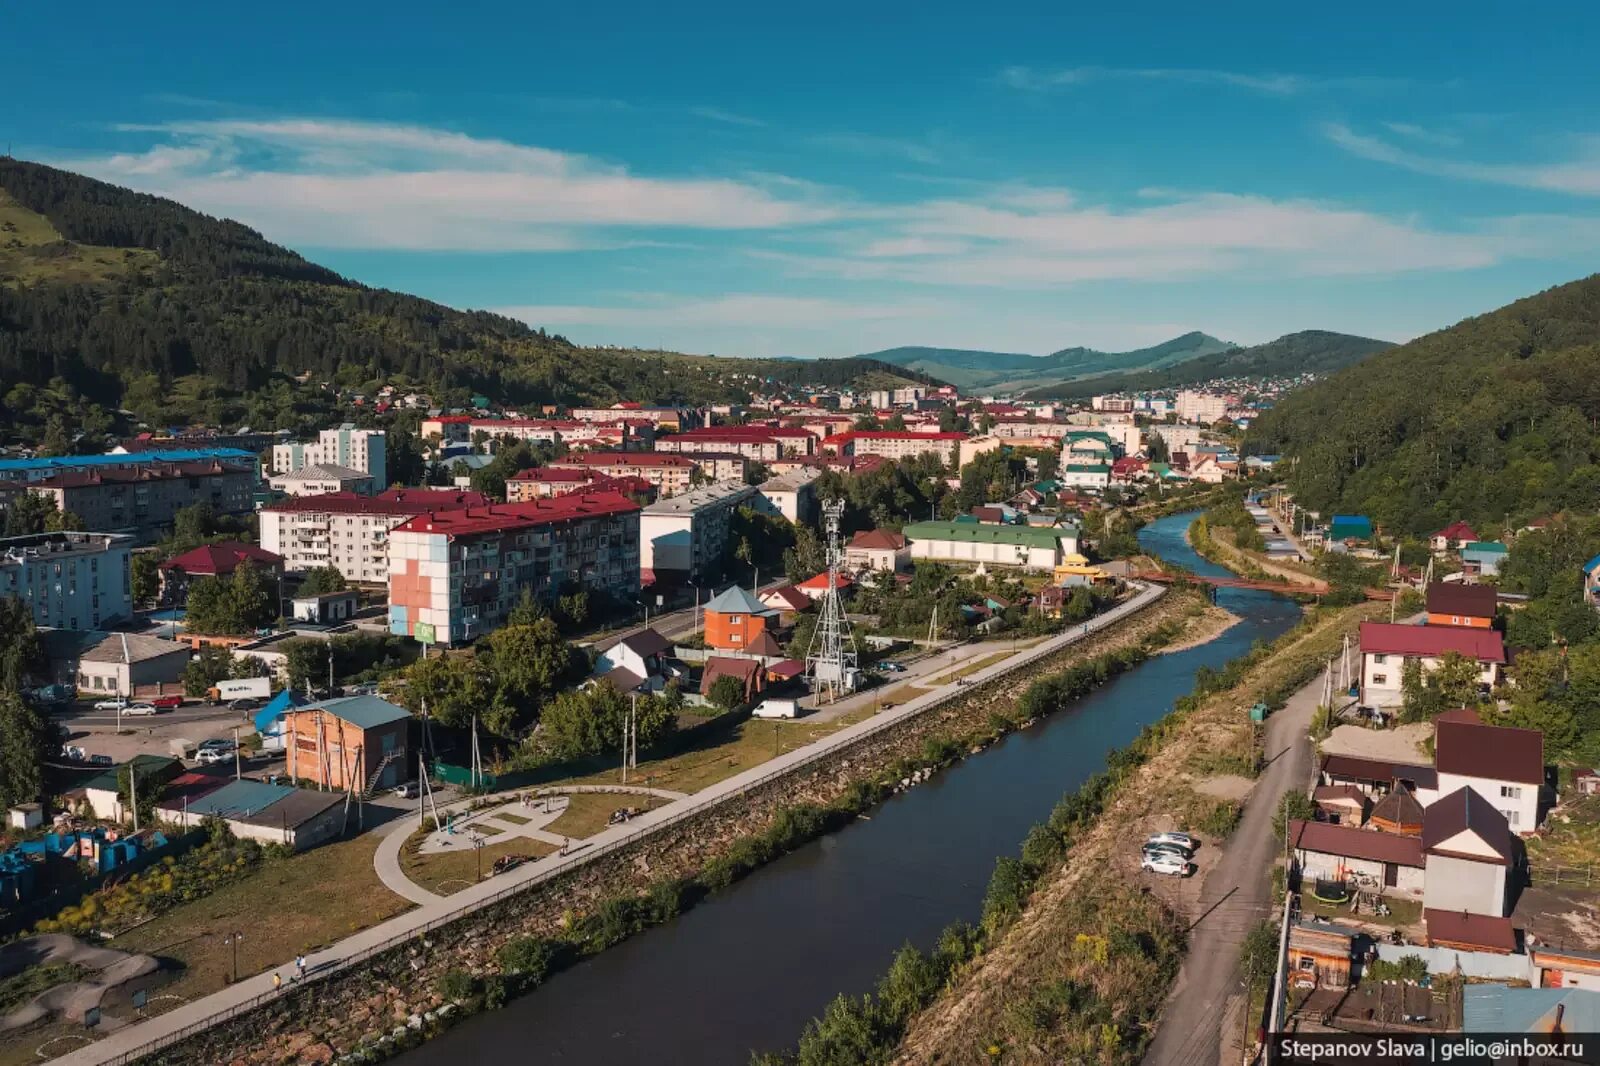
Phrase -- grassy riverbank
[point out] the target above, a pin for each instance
(1072, 957)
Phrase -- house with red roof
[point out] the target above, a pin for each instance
(213, 560)
(895, 444)
(787, 600)
(816, 586)
(1386, 647)
(1502, 764)
(1452, 537)
(878, 549)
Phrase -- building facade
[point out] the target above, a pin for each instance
(455, 575)
(684, 540)
(1028, 547)
(348, 531)
(358, 449)
(144, 498)
(69, 580)
(320, 479)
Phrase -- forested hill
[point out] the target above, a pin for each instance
(109, 297)
(1492, 418)
(1309, 351)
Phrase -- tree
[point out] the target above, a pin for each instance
(323, 579)
(726, 692)
(21, 655)
(590, 721)
(31, 512)
(209, 666)
(450, 688)
(527, 611)
(193, 525)
(144, 577)
(527, 664)
(232, 606)
(1455, 682)
(21, 750)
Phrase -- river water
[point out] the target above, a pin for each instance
(746, 969)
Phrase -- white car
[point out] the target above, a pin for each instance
(209, 756)
(108, 705)
(139, 710)
(1183, 840)
(1166, 864)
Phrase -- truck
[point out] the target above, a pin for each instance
(245, 688)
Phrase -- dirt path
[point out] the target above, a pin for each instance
(1235, 896)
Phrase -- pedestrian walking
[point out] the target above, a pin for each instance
(300, 967)
(277, 981)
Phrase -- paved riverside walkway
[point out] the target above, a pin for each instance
(1236, 896)
(132, 1041)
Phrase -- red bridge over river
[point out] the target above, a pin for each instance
(1288, 588)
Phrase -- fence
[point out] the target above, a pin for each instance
(1473, 963)
(713, 797)
(1564, 875)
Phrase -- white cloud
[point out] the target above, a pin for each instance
(1423, 134)
(746, 309)
(340, 183)
(868, 144)
(1030, 79)
(717, 114)
(1578, 177)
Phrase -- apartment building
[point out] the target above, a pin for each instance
(684, 540)
(144, 498)
(906, 396)
(320, 479)
(454, 575)
(76, 581)
(676, 419)
(892, 444)
(22, 471)
(358, 449)
(764, 444)
(349, 531)
(542, 483)
(670, 474)
(1203, 408)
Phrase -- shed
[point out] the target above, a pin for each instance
(1398, 812)
(1320, 955)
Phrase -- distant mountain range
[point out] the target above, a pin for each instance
(1312, 351)
(1017, 371)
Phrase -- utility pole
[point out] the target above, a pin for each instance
(330, 668)
(237, 774)
(133, 792)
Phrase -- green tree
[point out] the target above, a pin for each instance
(21, 751)
(591, 721)
(144, 577)
(527, 664)
(727, 692)
(193, 526)
(323, 579)
(21, 655)
(232, 606)
(31, 512)
(450, 689)
(207, 667)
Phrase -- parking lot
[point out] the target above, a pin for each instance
(168, 732)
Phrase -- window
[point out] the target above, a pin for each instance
(1511, 818)
(1379, 660)
(1510, 792)
(1380, 679)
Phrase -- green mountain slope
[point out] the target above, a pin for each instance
(1310, 351)
(1014, 371)
(1490, 419)
(112, 298)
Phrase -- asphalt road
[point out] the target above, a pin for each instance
(84, 716)
(1237, 895)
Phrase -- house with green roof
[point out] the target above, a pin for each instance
(1483, 558)
(1086, 475)
(1026, 547)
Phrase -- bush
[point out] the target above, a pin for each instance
(529, 958)
(456, 986)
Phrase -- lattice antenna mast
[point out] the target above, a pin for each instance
(831, 655)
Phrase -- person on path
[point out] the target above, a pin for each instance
(277, 981)
(300, 967)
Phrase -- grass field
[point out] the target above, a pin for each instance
(1571, 838)
(587, 812)
(451, 871)
(31, 250)
(291, 905)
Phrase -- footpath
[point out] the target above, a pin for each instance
(128, 1044)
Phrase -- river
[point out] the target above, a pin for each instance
(746, 969)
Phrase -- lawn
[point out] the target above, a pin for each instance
(451, 871)
(587, 812)
(289, 906)
(31, 250)
(1570, 839)
(1402, 912)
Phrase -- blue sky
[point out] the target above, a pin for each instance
(852, 177)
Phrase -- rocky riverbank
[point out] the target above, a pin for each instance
(400, 997)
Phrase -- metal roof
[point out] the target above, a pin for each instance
(75, 462)
(238, 799)
(365, 712)
(1023, 536)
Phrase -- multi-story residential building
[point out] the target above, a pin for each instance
(1386, 648)
(358, 449)
(893, 444)
(906, 396)
(1203, 407)
(27, 470)
(673, 418)
(541, 483)
(1112, 403)
(142, 499)
(455, 575)
(1084, 475)
(320, 479)
(791, 495)
(670, 474)
(349, 531)
(684, 540)
(69, 580)
(764, 444)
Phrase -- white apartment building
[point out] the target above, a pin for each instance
(1203, 408)
(683, 540)
(319, 479)
(358, 449)
(76, 581)
(791, 495)
(892, 444)
(348, 531)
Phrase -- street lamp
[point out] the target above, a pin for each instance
(232, 940)
(477, 849)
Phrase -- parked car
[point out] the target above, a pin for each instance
(74, 752)
(101, 760)
(1177, 850)
(211, 756)
(1166, 864)
(140, 710)
(108, 705)
(892, 668)
(1183, 840)
(167, 703)
(410, 790)
(216, 744)
(246, 703)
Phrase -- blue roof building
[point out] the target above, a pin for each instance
(1350, 527)
(37, 469)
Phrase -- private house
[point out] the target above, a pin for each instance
(787, 600)
(358, 742)
(1339, 852)
(1504, 766)
(1565, 968)
(1377, 778)
(149, 774)
(734, 618)
(878, 549)
(213, 560)
(1452, 538)
(1398, 812)
(1468, 856)
(1341, 804)
(815, 587)
(1483, 558)
(1387, 647)
(748, 672)
(1095, 477)
(635, 662)
(1455, 604)
(1320, 954)
(1343, 527)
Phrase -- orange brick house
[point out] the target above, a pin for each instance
(735, 618)
(356, 740)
